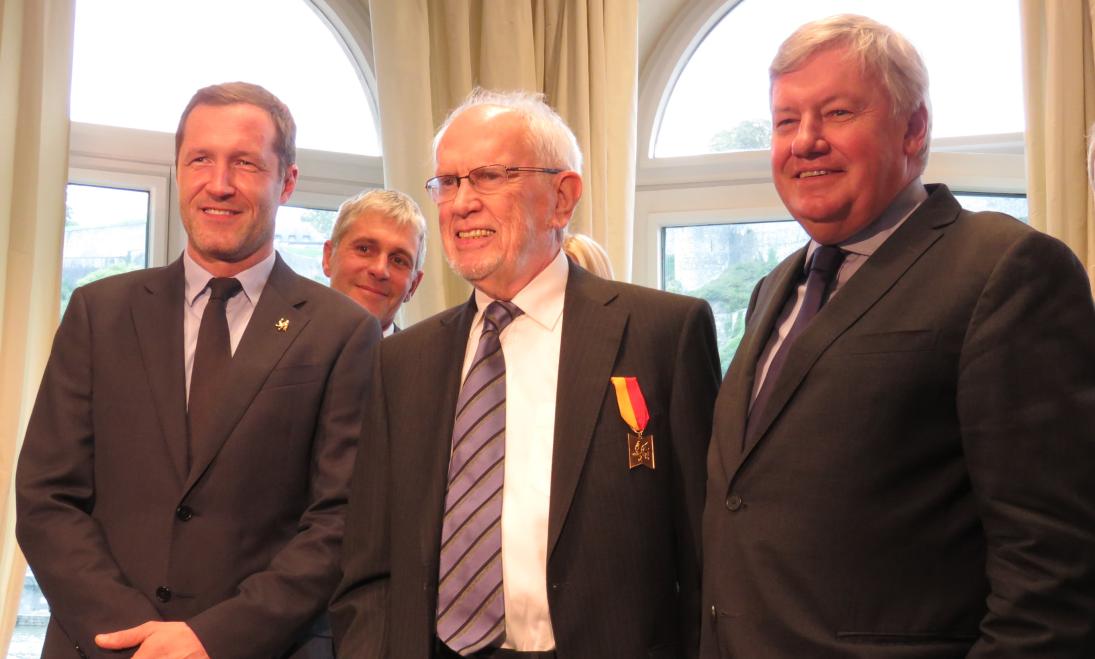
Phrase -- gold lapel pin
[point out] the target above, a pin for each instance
(282, 325)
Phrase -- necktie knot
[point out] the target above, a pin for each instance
(224, 288)
(827, 260)
(499, 314)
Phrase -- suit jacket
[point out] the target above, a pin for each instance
(921, 483)
(623, 560)
(244, 545)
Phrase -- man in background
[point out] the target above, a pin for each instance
(181, 486)
(531, 475)
(376, 252)
(901, 462)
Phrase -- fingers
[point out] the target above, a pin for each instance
(125, 638)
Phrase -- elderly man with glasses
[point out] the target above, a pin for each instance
(547, 500)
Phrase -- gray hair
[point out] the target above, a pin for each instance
(392, 204)
(549, 136)
(877, 48)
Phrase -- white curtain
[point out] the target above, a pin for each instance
(35, 67)
(1059, 71)
(428, 54)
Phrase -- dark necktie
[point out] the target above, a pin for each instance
(470, 607)
(211, 359)
(823, 268)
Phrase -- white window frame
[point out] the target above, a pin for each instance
(737, 187)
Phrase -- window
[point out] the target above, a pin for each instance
(176, 47)
(709, 221)
(714, 107)
(106, 233)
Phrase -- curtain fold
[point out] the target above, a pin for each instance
(1059, 71)
(582, 54)
(35, 69)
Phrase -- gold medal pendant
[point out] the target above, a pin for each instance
(640, 451)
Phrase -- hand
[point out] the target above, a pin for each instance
(157, 640)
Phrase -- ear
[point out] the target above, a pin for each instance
(327, 248)
(289, 183)
(916, 131)
(568, 190)
(414, 286)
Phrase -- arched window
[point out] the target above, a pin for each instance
(708, 220)
(135, 66)
(719, 102)
(137, 63)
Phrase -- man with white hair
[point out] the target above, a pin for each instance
(376, 251)
(901, 464)
(531, 479)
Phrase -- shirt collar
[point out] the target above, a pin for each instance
(252, 279)
(541, 299)
(869, 239)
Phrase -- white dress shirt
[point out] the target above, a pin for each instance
(530, 345)
(239, 308)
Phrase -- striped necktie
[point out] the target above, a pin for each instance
(470, 608)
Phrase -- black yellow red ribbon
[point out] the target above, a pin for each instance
(632, 404)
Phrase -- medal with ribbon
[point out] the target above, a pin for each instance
(640, 447)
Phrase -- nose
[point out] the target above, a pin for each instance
(467, 200)
(809, 139)
(220, 182)
(377, 267)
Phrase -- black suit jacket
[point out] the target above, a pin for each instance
(244, 545)
(623, 560)
(922, 482)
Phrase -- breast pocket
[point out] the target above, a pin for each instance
(899, 341)
(287, 376)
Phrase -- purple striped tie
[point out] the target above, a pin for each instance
(470, 608)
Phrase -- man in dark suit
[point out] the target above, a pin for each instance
(906, 469)
(181, 486)
(577, 535)
(376, 251)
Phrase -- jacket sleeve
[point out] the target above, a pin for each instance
(1026, 404)
(359, 609)
(55, 494)
(695, 387)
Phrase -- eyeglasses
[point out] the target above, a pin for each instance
(487, 179)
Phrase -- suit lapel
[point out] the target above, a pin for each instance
(276, 322)
(737, 388)
(592, 332)
(450, 349)
(158, 320)
(877, 276)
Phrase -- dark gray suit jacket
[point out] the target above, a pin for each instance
(623, 559)
(922, 483)
(244, 545)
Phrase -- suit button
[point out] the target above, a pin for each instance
(163, 593)
(733, 503)
(184, 513)
(714, 615)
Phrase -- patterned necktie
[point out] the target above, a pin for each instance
(823, 268)
(211, 358)
(470, 608)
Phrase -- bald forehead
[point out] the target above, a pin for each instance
(486, 135)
